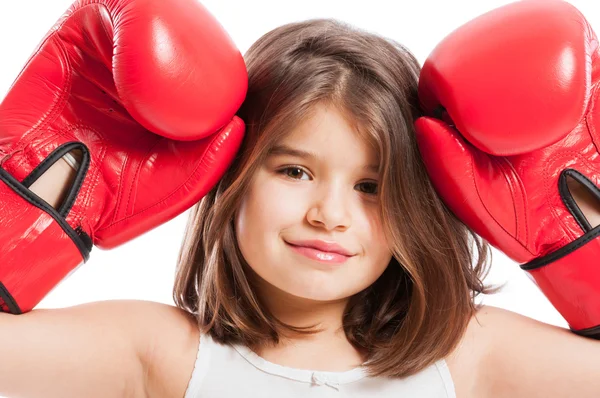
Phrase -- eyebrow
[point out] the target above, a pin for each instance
(281, 150)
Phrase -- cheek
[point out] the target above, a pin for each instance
(249, 232)
(373, 237)
(267, 210)
(271, 207)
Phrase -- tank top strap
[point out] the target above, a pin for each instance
(200, 366)
(444, 371)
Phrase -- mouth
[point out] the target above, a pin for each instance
(319, 255)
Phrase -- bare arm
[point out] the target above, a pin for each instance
(528, 358)
(90, 350)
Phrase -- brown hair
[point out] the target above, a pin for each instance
(417, 311)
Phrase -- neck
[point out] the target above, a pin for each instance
(326, 350)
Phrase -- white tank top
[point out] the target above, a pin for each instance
(236, 371)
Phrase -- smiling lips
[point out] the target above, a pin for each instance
(331, 253)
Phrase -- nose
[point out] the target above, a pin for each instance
(330, 209)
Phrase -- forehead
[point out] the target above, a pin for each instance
(327, 131)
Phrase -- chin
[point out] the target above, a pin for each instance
(322, 295)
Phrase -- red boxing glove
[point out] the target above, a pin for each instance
(517, 92)
(147, 91)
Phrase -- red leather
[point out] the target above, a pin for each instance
(571, 284)
(511, 100)
(36, 252)
(148, 90)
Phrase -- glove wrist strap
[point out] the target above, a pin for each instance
(569, 278)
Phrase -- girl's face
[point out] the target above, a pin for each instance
(318, 184)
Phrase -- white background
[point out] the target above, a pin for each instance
(144, 268)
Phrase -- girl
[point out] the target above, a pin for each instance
(322, 264)
(289, 260)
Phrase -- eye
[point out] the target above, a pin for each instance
(293, 172)
(296, 172)
(371, 187)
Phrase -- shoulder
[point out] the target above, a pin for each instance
(165, 339)
(506, 354)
